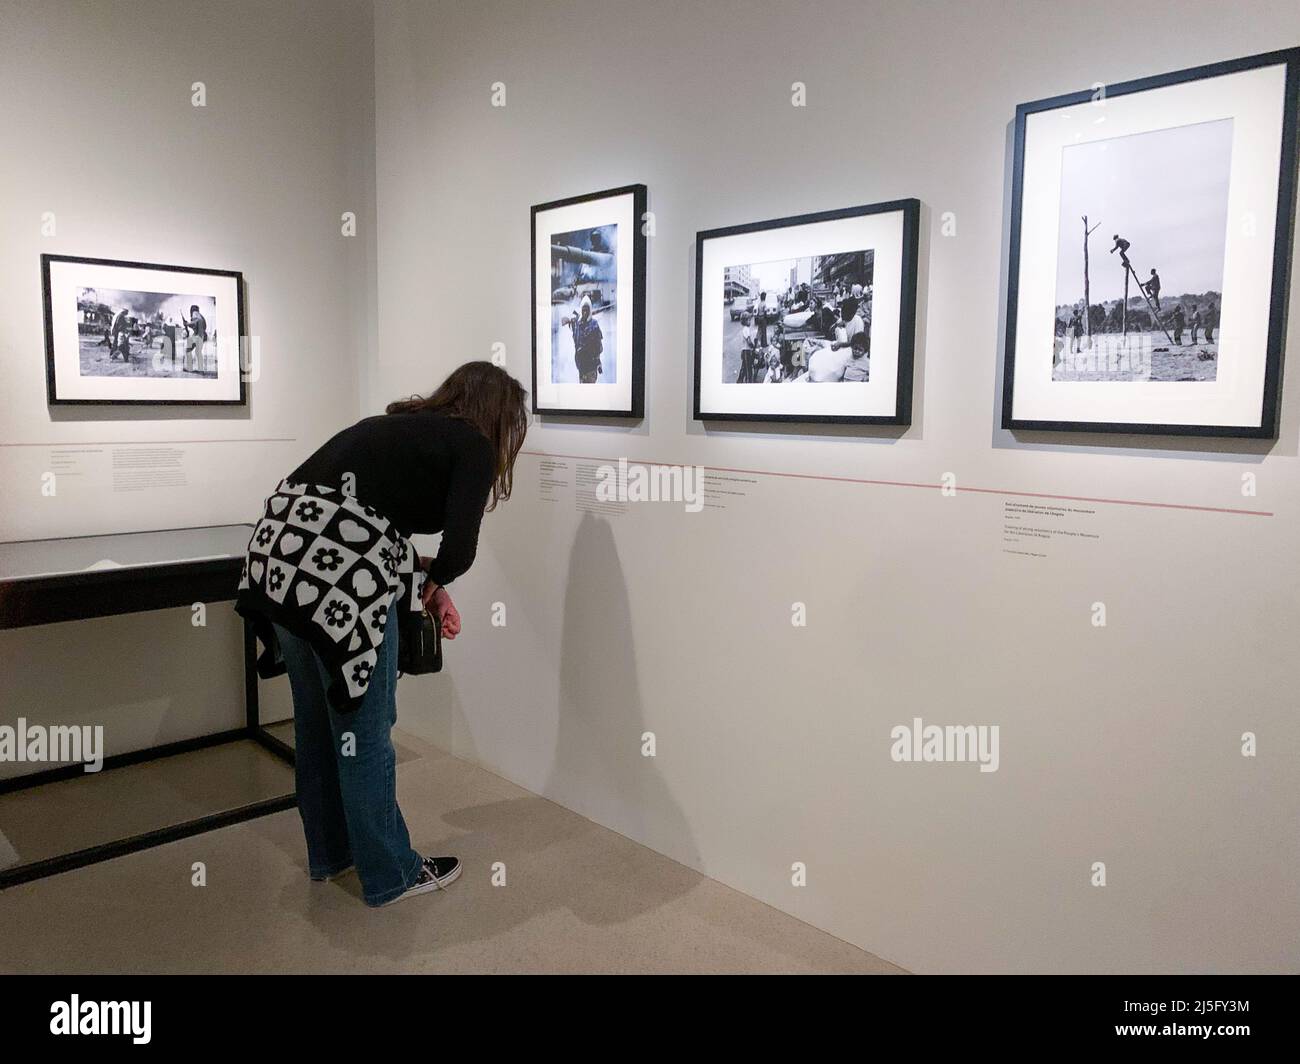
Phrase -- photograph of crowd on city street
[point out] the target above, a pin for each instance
(805, 320)
(122, 332)
(584, 306)
(827, 298)
(1114, 323)
(588, 290)
(1149, 239)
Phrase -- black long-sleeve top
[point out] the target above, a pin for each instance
(423, 471)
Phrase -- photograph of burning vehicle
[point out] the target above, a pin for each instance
(149, 334)
(584, 306)
(804, 320)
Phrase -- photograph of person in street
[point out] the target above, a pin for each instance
(584, 306)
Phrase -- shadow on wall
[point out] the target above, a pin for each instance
(598, 769)
(557, 861)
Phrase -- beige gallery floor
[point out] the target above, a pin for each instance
(578, 897)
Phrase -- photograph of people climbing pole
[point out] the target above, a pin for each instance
(1147, 255)
(1139, 273)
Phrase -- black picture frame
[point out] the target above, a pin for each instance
(51, 381)
(1283, 237)
(911, 211)
(640, 201)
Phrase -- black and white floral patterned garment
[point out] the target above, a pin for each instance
(334, 572)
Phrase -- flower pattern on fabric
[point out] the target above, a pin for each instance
(390, 559)
(327, 558)
(320, 560)
(337, 613)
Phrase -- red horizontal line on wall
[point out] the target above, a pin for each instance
(930, 487)
(126, 443)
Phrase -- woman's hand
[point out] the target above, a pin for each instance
(447, 614)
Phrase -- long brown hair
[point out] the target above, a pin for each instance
(487, 397)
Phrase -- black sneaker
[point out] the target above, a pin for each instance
(436, 873)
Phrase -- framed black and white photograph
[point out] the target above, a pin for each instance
(135, 332)
(1150, 236)
(824, 299)
(589, 271)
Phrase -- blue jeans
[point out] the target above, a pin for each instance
(346, 771)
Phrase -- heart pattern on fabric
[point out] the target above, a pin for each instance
(339, 569)
(352, 532)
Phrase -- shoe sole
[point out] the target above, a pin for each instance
(425, 888)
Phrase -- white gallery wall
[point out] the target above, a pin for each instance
(107, 156)
(1118, 744)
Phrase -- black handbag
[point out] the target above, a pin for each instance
(419, 643)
